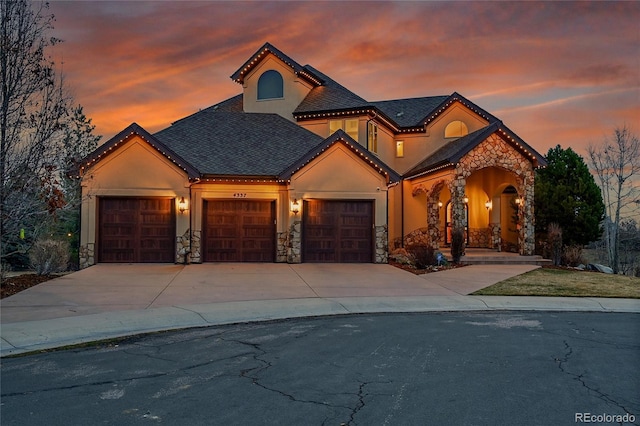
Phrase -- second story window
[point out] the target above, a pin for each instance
(350, 127)
(456, 129)
(270, 85)
(372, 137)
(399, 149)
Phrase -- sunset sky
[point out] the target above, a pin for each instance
(554, 72)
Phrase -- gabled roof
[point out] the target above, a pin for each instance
(124, 136)
(261, 53)
(341, 137)
(451, 153)
(238, 144)
(457, 97)
(409, 112)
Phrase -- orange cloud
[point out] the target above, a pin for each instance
(555, 72)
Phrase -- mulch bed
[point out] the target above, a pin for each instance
(419, 271)
(13, 285)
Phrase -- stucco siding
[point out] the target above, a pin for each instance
(294, 89)
(339, 174)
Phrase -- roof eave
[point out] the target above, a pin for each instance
(340, 137)
(125, 135)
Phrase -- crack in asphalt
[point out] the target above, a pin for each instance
(580, 378)
(131, 378)
(266, 365)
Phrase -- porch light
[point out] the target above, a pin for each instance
(465, 199)
(182, 205)
(518, 201)
(295, 206)
(440, 204)
(488, 204)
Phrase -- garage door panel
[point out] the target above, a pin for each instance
(239, 231)
(136, 230)
(337, 231)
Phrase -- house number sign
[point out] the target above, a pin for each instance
(239, 195)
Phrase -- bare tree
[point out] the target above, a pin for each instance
(33, 110)
(616, 163)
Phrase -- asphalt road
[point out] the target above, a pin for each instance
(524, 368)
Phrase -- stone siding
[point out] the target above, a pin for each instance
(183, 248)
(294, 249)
(282, 246)
(195, 247)
(382, 244)
(479, 237)
(495, 152)
(87, 255)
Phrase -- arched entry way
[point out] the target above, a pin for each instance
(493, 215)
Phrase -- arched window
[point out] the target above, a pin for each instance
(270, 85)
(456, 129)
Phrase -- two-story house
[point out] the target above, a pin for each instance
(298, 168)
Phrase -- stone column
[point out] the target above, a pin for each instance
(86, 255)
(283, 246)
(382, 244)
(294, 254)
(457, 201)
(183, 248)
(195, 247)
(526, 218)
(433, 214)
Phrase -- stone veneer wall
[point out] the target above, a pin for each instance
(282, 246)
(294, 249)
(183, 247)
(495, 231)
(495, 152)
(382, 244)
(87, 255)
(195, 247)
(479, 237)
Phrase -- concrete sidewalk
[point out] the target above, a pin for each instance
(108, 301)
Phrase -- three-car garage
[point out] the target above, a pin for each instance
(138, 229)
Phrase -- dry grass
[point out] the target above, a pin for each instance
(561, 282)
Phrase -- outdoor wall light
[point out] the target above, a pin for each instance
(518, 201)
(488, 204)
(440, 204)
(182, 205)
(465, 199)
(295, 206)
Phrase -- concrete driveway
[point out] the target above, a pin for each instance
(119, 287)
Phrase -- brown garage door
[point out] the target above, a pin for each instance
(239, 231)
(136, 230)
(337, 231)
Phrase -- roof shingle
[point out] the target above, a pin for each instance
(229, 143)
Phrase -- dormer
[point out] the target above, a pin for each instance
(274, 83)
